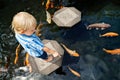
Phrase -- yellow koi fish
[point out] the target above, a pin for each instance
(109, 34)
(71, 52)
(74, 72)
(101, 26)
(114, 51)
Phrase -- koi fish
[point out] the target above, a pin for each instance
(47, 4)
(38, 29)
(71, 52)
(109, 34)
(48, 17)
(114, 51)
(74, 72)
(17, 52)
(26, 62)
(101, 26)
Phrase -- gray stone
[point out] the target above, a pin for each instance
(41, 66)
(67, 17)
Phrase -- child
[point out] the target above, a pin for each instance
(24, 25)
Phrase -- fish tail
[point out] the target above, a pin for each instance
(104, 49)
(86, 27)
(100, 35)
(63, 45)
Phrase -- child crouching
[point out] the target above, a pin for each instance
(24, 26)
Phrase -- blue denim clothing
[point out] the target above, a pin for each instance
(32, 44)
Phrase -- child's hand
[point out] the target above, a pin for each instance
(55, 54)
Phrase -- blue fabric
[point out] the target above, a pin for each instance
(44, 56)
(32, 44)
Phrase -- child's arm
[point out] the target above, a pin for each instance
(51, 52)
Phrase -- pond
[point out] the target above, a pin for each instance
(93, 63)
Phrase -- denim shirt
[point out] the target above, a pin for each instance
(32, 44)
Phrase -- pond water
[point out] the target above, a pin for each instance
(93, 63)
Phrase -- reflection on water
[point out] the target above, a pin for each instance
(93, 63)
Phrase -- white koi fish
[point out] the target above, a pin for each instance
(101, 26)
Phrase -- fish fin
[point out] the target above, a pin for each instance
(97, 28)
(102, 28)
(104, 49)
(87, 27)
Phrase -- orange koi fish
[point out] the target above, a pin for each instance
(38, 29)
(47, 4)
(101, 26)
(17, 52)
(109, 34)
(114, 51)
(26, 62)
(74, 72)
(71, 52)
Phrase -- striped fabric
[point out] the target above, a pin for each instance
(32, 44)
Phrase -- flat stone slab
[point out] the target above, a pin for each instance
(67, 17)
(43, 67)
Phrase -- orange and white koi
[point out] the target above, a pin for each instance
(109, 34)
(101, 26)
(113, 52)
(71, 52)
(48, 17)
(74, 72)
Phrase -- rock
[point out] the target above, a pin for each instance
(43, 67)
